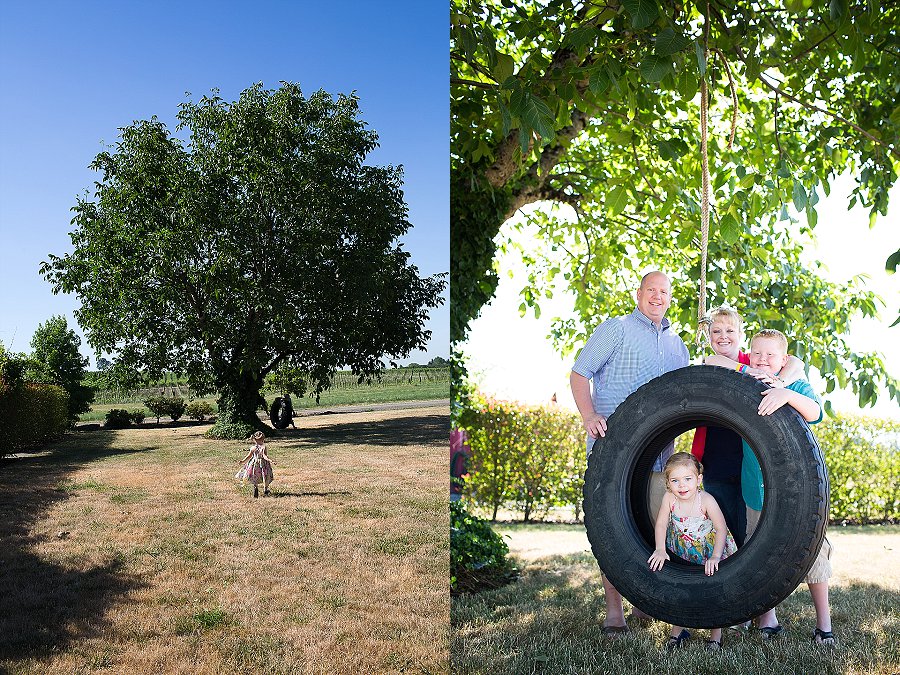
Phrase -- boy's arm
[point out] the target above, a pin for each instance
(773, 399)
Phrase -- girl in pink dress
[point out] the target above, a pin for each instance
(691, 524)
(257, 465)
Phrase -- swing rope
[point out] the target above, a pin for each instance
(701, 338)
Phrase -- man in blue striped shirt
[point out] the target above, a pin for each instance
(622, 354)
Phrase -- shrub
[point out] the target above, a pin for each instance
(157, 405)
(230, 430)
(32, 413)
(137, 416)
(176, 408)
(478, 555)
(199, 410)
(161, 405)
(117, 419)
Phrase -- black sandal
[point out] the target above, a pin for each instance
(713, 645)
(614, 631)
(771, 632)
(823, 637)
(674, 643)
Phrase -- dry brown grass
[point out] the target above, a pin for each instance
(168, 567)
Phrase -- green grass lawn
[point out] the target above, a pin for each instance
(549, 621)
(422, 391)
(136, 551)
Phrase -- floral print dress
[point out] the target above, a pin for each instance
(693, 537)
(257, 469)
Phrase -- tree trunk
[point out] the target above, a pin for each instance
(238, 404)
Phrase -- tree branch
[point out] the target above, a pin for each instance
(809, 106)
(474, 65)
(474, 83)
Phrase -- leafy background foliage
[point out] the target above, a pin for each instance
(592, 108)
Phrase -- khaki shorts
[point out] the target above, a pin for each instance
(656, 490)
(820, 571)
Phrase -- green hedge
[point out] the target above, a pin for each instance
(863, 459)
(31, 413)
(530, 459)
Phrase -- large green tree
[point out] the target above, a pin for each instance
(256, 239)
(55, 359)
(593, 109)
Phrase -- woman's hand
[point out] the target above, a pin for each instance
(658, 559)
(712, 565)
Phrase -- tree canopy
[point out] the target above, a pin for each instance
(261, 240)
(593, 108)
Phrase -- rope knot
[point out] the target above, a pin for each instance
(701, 338)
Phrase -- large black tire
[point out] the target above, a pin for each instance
(276, 415)
(620, 528)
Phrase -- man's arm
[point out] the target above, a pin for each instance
(594, 423)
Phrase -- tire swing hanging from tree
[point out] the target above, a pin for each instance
(620, 527)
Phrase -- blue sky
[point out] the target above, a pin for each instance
(71, 74)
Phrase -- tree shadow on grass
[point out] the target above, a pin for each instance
(308, 494)
(47, 604)
(425, 429)
(550, 621)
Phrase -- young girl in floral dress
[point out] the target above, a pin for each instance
(691, 524)
(257, 465)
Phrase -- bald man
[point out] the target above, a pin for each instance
(622, 354)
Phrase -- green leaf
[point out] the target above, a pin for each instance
(599, 81)
(539, 117)
(670, 149)
(892, 262)
(654, 68)
(799, 196)
(642, 12)
(580, 37)
(729, 229)
(669, 42)
(812, 216)
(467, 40)
(524, 138)
(753, 67)
(837, 10)
(505, 116)
(505, 67)
(783, 170)
(700, 51)
(617, 200)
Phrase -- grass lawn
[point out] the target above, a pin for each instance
(549, 621)
(135, 551)
(417, 391)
